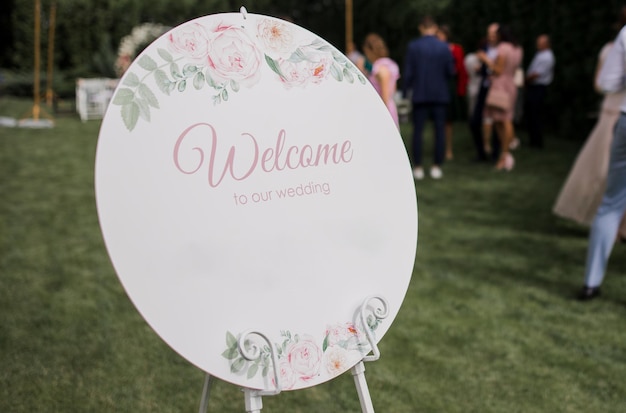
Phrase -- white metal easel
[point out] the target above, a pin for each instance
(370, 313)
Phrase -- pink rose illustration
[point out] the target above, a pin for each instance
(276, 37)
(314, 69)
(223, 57)
(287, 376)
(342, 334)
(337, 360)
(305, 358)
(190, 41)
(293, 74)
(319, 64)
(233, 57)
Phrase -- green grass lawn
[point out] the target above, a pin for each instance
(489, 323)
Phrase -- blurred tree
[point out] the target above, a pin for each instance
(103, 59)
(6, 34)
(578, 29)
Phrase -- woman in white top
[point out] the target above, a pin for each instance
(582, 192)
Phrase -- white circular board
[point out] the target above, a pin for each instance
(248, 177)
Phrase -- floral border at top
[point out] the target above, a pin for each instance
(226, 58)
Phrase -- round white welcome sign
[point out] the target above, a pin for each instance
(248, 177)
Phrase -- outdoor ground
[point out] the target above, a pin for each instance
(489, 323)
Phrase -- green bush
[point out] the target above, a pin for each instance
(21, 84)
(18, 84)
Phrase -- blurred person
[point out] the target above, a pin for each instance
(509, 58)
(605, 225)
(539, 76)
(485, 140)
(355, 56)
(518, 110)
(385, 72)
(457, 85)
(472, 68)
(582, 191)
(428, 67)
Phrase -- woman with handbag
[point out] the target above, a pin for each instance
(500, 103)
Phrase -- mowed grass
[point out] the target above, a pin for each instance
(489, 323)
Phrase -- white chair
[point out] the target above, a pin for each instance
(93, 97)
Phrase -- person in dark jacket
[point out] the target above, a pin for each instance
(429, 65)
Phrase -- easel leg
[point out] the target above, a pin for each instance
(204, 401)
(254, 403)
(358, 372)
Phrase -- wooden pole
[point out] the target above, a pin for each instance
(349, 30)
(37, 110)
(37, 59)
(49, 92)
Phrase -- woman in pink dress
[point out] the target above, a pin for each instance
(503, 69)
(385, 72)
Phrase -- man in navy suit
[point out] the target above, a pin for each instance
(428, 67)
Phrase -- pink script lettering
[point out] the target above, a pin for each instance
(275, 158)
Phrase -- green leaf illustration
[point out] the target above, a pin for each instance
(340, 58)
(224, 95)
(146, 93)
(252, 370)
(189, 69)
(336, 72)
(146, 62)
(348, 75)
(317, 42)
(144, 109)
(182, 85)
(231, 340)
(175, 71)
(372, 322)
(325, 343)
(131, 80)
(162, 81)
(297, 56)
(209, 79)
(130, 115)
(217, 99)
(230, 353)
(237, 365)
(274, 66)
(123, 96)
(165, 55)
(234, 85)
(198, 81)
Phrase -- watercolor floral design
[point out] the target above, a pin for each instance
(225, 58)
(300, 357)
